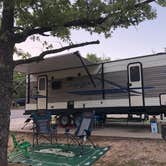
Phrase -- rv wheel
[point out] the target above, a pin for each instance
(64, 120)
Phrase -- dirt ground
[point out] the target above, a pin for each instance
(123, 152)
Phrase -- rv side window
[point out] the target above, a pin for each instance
(134, 73)
(42, 84)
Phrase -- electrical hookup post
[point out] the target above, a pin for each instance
(154, 125)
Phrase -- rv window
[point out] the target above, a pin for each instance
(42, 84)
(134, 74)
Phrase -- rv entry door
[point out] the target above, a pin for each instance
(42, 93)
(135, 84)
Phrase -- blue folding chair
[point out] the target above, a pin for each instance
(82, 133)
(42, 127)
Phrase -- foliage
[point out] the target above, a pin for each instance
(93, 58)
(93, 15)
(19, 83)
(162, 2)
(20, 53)
(19, 79)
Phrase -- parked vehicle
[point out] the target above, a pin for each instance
(20, 101)
(68, 85)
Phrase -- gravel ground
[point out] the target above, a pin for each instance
(133, 152)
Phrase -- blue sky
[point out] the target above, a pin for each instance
(147, 38)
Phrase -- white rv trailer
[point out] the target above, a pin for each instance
(69, 84)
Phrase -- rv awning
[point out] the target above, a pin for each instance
(52, 63)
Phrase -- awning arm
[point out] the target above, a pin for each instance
(85, 67)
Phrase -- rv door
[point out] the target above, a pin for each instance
(135, 84)
(42, 93)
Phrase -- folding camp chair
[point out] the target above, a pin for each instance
(42, 127)
(21, 146)
(99, 120)
(82, 133)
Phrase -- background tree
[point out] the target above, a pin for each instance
(19, 85)
(93, 58)
(21, 19)
(19, 79)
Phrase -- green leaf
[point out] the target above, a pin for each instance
(162, 3)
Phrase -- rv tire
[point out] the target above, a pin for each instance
(64, 120)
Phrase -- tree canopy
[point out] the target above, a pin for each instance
(39, 16)
(19, 85)
(59, 17)
(93, 58)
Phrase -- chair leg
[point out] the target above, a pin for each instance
(33, 139)
(56, 136)
(81, 145)
(37, 139)
(51, 138)
(91, 142)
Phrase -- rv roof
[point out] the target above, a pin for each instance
(52, 63)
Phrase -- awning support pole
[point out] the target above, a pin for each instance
(85, 67)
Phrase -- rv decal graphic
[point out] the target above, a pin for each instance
(107, 91)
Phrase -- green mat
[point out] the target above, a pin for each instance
(60, 155)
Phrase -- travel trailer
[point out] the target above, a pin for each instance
(67, 85)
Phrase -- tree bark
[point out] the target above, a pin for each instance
(6, 78)
(6, 75)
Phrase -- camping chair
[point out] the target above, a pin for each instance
(99, 120)
(82, 133)
(21, 146)
(42, 127)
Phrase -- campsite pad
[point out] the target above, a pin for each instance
(61, 155)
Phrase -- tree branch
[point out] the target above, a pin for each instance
(20, 37)
(43, 54)
(144, 2)
(102, 20)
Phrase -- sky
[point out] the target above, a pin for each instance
(149, 37)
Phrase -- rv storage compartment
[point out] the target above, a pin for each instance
(163, 131)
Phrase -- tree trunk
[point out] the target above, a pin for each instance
(6, 78)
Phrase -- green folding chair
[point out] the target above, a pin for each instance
(21, 146)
